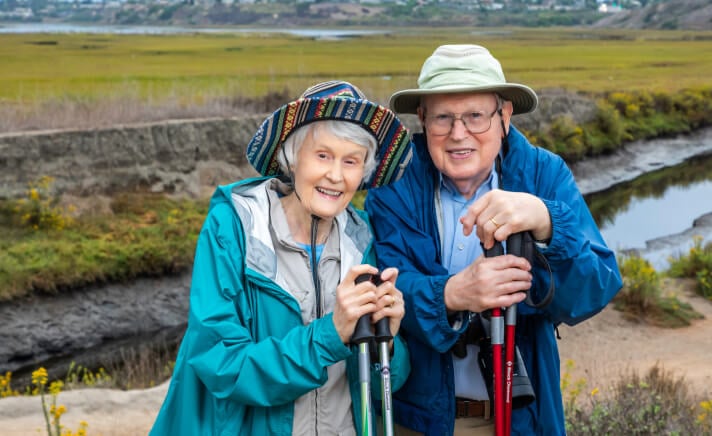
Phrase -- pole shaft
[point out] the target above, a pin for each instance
(364, 374)
(386, 398)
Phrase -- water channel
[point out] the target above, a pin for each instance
(314, 33)
(660, 204)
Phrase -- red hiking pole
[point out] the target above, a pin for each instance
(510, 321)
(497, 382)
(497, 339)
(511, 375)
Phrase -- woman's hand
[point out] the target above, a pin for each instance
(390, 301)
(355, 300)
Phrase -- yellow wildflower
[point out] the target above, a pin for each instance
(39, 377)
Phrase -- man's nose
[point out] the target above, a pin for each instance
(459, 129)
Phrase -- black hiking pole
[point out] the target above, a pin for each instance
(361, 337)
(383, 336)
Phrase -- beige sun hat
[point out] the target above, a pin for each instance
(463, 68)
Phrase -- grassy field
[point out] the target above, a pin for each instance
(192, 68)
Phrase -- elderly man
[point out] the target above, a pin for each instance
(476, 180)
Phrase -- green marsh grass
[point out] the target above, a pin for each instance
(142, 235)
(193, 67)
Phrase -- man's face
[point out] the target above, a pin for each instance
(464, 157)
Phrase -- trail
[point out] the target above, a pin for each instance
(602, 348)
(607, 345)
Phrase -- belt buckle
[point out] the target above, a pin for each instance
(463, 408)
(460, 408)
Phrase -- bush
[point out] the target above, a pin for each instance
(641, 298)
(40, 210)
(655, 404)
(697, 263)
(641, 284)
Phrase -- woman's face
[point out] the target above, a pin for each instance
(328, 172)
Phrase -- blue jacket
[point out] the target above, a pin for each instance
(585, 273)
(246, 354)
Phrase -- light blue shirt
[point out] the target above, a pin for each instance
(307, 248)
(458, 252)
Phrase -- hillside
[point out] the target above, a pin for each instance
(677, 14)
(667, 14)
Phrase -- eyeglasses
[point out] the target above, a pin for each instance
(474, 122)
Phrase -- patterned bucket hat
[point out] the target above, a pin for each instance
(335, 100)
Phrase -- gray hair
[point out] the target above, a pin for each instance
(344, 130)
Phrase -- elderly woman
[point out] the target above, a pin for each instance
(274, 298)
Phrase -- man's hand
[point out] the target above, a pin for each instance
(499, 214)
(488, 283)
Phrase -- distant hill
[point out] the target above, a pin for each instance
(657, 14)
(669, 15)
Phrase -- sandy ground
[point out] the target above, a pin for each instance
(607, 345)
(602, 348)
(108, 412)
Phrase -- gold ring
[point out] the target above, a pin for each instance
(496, 224)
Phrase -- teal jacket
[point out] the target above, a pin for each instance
(246, 355)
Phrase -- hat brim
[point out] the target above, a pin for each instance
(523, 98)
(392, 156)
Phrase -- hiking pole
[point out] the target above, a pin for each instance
(517, 246)
(510, 322)
(383, 336)
(362, 336)
(497, 340)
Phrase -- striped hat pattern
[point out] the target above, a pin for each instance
(335, 100)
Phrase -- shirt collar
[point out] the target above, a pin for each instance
(448, 187)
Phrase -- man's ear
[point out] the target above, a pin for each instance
(421, 114)
(507, 109)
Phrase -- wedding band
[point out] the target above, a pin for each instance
(496, 224)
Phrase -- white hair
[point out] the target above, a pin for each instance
(344, 130)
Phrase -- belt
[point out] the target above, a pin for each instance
(472, 408)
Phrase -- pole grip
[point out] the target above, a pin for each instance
(496, 250)
(362, 332)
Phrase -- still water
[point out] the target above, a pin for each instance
(315, 33)
(655, 205)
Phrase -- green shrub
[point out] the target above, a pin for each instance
(567, 138)
(40, 210)
(656, 404)
(641, 298)
(641, 284)
(697, 263)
